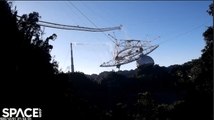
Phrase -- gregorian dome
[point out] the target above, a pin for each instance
(144, 60)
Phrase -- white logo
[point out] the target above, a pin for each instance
(24, 113)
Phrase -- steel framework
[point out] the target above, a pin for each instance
(127, 51)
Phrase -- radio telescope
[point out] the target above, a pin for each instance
(144, 60)
(127, 51)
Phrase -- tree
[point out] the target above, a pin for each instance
(210, 11)
(199, 99)
(28, 77)
(144, 107)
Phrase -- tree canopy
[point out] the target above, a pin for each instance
(30, 78)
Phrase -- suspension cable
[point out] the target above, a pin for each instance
(178, 35)
(91, 20)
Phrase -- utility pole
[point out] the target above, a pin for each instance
(72, 62)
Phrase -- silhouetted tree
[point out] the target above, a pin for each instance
(28, 77)
(147, 93)
(199, 92)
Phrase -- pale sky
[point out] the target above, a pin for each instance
(180, 25)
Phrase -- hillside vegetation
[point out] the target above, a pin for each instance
(30, 78)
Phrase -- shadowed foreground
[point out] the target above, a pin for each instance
(30, 79)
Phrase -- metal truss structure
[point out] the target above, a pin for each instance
(127, 51)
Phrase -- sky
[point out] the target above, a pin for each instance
(179, 25)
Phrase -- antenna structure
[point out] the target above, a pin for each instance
(126, 51)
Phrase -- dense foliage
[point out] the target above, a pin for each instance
(30, 78)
